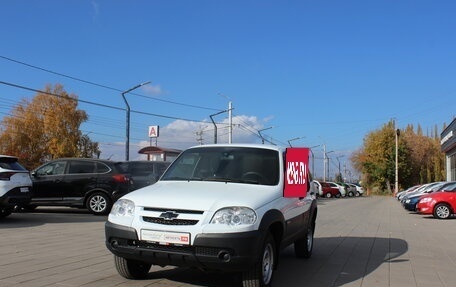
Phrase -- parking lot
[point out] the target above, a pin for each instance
(366, 241)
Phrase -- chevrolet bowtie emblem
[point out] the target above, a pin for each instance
(169, 215)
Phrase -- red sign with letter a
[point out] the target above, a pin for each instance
(296, 172)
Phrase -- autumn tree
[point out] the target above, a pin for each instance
(419, 157)
(46, 127)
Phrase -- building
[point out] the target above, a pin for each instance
(155, 153)
(448, 146)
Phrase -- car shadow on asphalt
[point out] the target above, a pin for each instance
(336, 261)
(46, 215)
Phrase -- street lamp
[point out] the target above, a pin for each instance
(127, 132)
(259, 133)
(396, 183)
(340, 172)
(326, 163)
(295, 139)
(313, 159)
(215, 126)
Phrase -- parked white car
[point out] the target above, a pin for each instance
(15, 185)
(217, 207)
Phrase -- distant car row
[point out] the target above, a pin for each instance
(330, 189)
(436, 198)
(94, 184)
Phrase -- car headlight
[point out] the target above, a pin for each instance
(407, 201)
(123, 207)
(234, 216)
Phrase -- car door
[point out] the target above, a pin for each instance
(80, 178)
(48, 182)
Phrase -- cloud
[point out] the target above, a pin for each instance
(96, 9)
(153, 89)
(180, 134)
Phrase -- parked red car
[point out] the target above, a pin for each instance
(331, 189)
(440, 204)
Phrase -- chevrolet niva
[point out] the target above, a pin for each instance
(219, 208)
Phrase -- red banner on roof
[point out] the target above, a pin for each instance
(296, 172)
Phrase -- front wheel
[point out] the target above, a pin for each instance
(328, 195)
(4, 212)
(260, 275)
(99, 203)
(442, 211)
(131, 269)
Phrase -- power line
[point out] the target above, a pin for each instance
(103, 86)
(98, 104)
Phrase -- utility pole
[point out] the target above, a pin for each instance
(230, 117)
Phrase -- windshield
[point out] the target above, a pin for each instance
(226, 164)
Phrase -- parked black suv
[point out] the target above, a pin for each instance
(143, 172)
(79, 182)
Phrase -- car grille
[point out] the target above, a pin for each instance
(170, 216)
(162, 221)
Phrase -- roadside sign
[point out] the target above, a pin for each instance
(296, 172)
(153, 131)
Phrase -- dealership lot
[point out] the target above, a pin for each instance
(366, 241)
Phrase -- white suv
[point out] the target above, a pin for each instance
(15, 185)
(217, 207)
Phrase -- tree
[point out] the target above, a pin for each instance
(45, 128)
(419, 158)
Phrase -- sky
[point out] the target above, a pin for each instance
(321, 74)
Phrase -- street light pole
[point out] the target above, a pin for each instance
(127, 129)
(396, 184)
(215, 126)
(313, 160)
(259, 133)
(295, 139)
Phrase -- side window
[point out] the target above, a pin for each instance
(54, 168)
(81, 167)
(102, 168)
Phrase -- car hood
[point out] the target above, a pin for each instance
(203, 195)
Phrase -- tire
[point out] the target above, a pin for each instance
(4, 212)
(99, 203)
(442, 211)
(303, 247)
(357, 194)
(328, 195)
(131, 269)
(260, 275)
(350, 194)
(338, 195)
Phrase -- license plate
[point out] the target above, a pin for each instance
(165, 237)
(24, 189)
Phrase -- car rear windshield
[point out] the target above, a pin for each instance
(226, 164)
(11, 164)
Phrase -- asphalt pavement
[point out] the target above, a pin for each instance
(366, 241)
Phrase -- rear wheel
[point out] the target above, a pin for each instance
(131, 269)
(303, 247)
(99, 203)
(442, 211)
(260, 275)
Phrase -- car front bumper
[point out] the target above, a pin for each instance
(227, 251)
